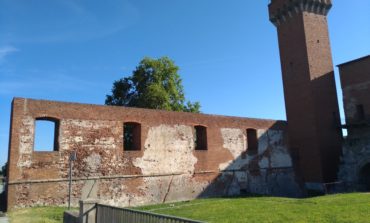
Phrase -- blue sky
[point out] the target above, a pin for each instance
(73, 50)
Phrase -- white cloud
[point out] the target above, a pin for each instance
(37, 83)
(5, 51)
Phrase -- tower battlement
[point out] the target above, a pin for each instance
(281, 10)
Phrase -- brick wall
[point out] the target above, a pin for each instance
(355, 81)
(166, 168)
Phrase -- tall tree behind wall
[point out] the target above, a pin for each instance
(155, 84)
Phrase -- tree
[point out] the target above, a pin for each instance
(155, 84)
(4, 170)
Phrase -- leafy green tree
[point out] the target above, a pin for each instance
(4, 170)
(155, 84)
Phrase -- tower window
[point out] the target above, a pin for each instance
(46, 135)
(200, 137)
(131, 136)
(360, 112)
(252, 141)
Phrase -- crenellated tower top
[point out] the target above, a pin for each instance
(281, 10)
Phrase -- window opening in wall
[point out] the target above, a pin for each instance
(365, 177)
(46, 135)
(131, 136)
(334, 116)
(294, 153)
(360, 112)
(200, 137)
(252, 141)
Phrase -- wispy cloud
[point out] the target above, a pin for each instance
(5, 51)
(41, 84)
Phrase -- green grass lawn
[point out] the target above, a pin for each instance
(37, 215)
(354, 207)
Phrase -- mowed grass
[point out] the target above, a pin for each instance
(353, 207)
(37, 215)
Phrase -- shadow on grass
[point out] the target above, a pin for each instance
(249, 195)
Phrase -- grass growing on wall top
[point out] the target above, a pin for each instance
(354, 207)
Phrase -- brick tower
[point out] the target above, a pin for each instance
(309, 87)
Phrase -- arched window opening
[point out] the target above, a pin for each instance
(46, 135)
(252, 141)
(131, 136)
(200, 140)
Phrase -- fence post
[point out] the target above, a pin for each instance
(88, 210)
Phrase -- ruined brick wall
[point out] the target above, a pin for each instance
(354, 171)
(355, 80)
(166, 168)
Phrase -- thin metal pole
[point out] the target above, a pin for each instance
(70, 184)
(72, 158)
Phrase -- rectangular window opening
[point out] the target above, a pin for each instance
(360, 112)
(200, 137)
(131, 136)
(46, 135)
(252, 141)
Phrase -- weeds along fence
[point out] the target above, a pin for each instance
(106, 214)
